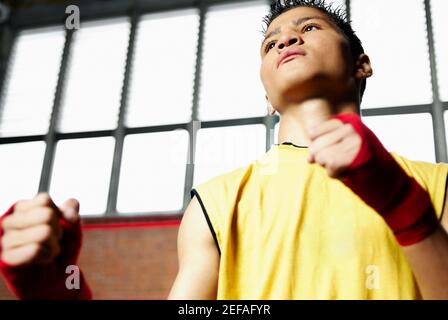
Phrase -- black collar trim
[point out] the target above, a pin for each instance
(292, 144)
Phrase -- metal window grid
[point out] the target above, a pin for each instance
(134, 10)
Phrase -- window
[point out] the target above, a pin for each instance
(82, 170)
(95, 77)
(20, 168)
(412, 138)
(446, 123)
(231, 86)
(33, 75)
(158, 81)
(439, 10)
(398, 47)
(161, 88)
(276, 131)
(220, 150)
(153, 172)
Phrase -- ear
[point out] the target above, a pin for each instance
(271, 110)
(363, 67)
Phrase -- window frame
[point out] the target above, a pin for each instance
(133, 12)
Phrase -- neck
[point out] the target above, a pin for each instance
(297, 118)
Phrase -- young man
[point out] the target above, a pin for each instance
(326, 214)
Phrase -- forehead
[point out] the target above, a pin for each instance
(294, 14)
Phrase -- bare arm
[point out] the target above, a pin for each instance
(197, 278)
(429, 260)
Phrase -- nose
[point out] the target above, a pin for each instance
(287, 40)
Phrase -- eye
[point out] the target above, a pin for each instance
(310, 27)
(269, 46)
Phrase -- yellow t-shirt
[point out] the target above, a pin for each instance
(285, 230)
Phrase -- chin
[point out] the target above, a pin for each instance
(298, 89)
(291, 78)
(306, 85)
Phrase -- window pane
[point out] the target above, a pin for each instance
(153, 172)
(161, 89)
(20, 169)
(231, 86)
(33, 75)
(82, 170)
(446, 124)
(410, 135)
(277, 129)
(95, 77)
(439, 10)
(220, 150)
(394, 36)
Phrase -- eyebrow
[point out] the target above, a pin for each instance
(295, 23)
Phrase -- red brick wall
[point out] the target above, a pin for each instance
(127, 262)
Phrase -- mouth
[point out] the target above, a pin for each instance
(289, 56)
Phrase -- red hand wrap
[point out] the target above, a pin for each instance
(380, 182)
(37, 281)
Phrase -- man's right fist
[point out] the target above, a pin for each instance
(33, 232)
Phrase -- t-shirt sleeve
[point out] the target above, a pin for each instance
(432, 177)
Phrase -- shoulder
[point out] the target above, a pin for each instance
(217, 197)
(234, 179)
(424, 172)
(225, 183)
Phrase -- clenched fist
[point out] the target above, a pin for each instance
(32, 234)
(351, 152)
(334, 145)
